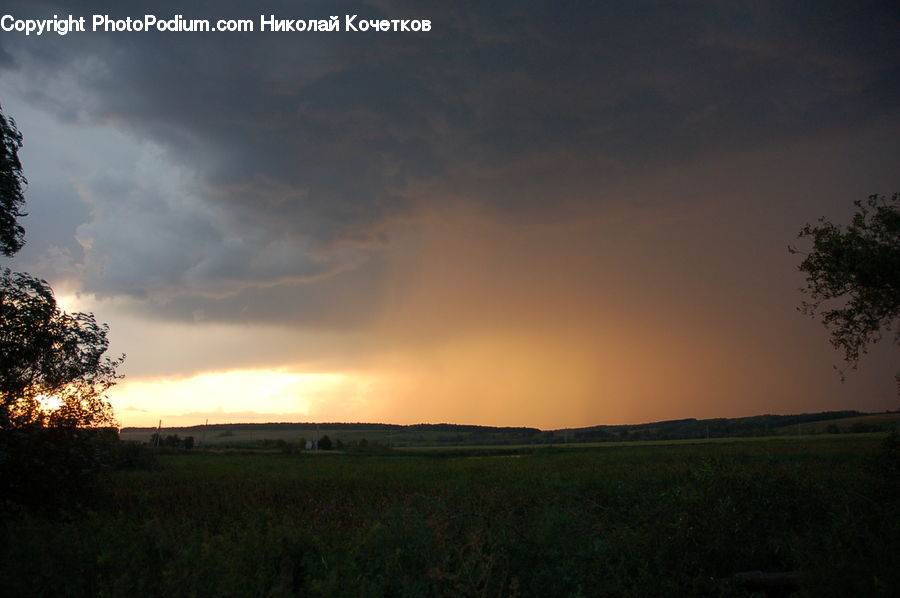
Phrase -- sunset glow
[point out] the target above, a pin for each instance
(49, 404)
(223, 396)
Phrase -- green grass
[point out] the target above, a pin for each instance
(627, 519)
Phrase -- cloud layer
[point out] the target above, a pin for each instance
(282, 156)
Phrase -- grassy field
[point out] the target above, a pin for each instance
(640, 519)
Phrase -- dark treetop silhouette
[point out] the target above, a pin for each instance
(857, 270)
(45, 352)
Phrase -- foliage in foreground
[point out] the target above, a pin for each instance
(853, 275)
(54, 416)
(635, 521)
(53, 371)
(47, 354)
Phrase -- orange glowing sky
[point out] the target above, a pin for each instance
(511, 221)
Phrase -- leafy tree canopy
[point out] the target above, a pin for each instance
(53, 373)
(12, 198)
(853, 275)
(52, 366)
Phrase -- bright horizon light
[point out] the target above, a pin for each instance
(49, 403)
(192, 399)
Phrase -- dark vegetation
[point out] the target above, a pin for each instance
(171, 440)
(853, 275)
(12, 184)
(758, 425)
(54, 417)
(635, 520)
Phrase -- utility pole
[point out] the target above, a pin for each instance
(158, 432)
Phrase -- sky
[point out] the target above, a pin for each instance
(536, 213)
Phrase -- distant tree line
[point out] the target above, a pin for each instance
(759, 425)
(430, 435)
(172, 440)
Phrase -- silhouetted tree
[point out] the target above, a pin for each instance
(857, 269)
(48, 358)
(53, 370)
(53, 376)
(325, 443)
(12, 198)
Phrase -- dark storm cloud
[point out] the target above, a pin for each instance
(317, 144)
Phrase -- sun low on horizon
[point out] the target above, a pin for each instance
(519, 217)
